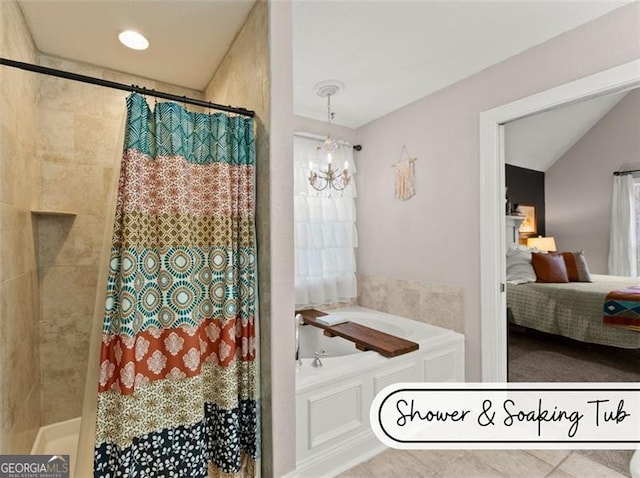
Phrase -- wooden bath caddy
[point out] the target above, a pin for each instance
(365, 338)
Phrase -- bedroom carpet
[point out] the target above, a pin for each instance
(539, 357)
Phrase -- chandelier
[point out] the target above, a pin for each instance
(327, 153)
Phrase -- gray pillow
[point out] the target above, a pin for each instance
(519, 266)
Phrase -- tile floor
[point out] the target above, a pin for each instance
(479, 464)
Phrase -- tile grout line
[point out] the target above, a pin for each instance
(557, 467)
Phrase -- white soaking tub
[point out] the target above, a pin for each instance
(59, 438)
(333, 401)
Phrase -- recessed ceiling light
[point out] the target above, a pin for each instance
(133, 40)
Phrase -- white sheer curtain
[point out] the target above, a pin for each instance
(622, 247)
(325, 231)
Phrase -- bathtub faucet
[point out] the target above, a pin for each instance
(299, 321)
(316, 361)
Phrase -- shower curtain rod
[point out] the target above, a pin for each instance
(622, 173)
(121, 86)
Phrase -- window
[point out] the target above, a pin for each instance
(325, 232)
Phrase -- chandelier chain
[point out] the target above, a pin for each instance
(330, 177)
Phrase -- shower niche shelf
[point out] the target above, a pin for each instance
(52, 213)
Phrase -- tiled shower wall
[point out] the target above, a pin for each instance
(242, 79)
(435, 304)
(79, 144)
(19, 177)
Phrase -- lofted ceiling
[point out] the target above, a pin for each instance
(538, 141)
(388, 53)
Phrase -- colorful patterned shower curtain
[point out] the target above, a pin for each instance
(177, 393)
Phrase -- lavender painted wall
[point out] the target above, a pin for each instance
(434, 237)
(579, 186)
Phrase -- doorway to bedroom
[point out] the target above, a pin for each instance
(493, 148)
(559, 167)
(621, 78)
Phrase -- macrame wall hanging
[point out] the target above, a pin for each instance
(404, 175)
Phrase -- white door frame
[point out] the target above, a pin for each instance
(492, 199)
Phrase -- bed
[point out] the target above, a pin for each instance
(573, 309)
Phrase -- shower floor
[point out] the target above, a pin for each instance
(58, 439)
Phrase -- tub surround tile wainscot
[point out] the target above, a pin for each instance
(431, 303)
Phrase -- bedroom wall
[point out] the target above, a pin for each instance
(526, 186)
(579, 186)
(435, 236)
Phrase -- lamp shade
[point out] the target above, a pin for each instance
(542, 243)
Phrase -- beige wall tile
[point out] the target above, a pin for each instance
(16, 39)
(65, 241)
(64, 95)
(17, 251)
(55, 135)
(8, 165)
(73, 188)
(21, 436)
(95, 140)
(68, 298)
(8, 116)
(435, 304)
(404, 300)
(62, 393)
(439, 308)
(243, 79)
(78, 167)
(67, 291)
(113, 106)
(373, 293)
(59, 145)
(19, 189)
(5, 370)
(20, 365)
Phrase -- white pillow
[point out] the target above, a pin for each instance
(519, 266)
(514, 248)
